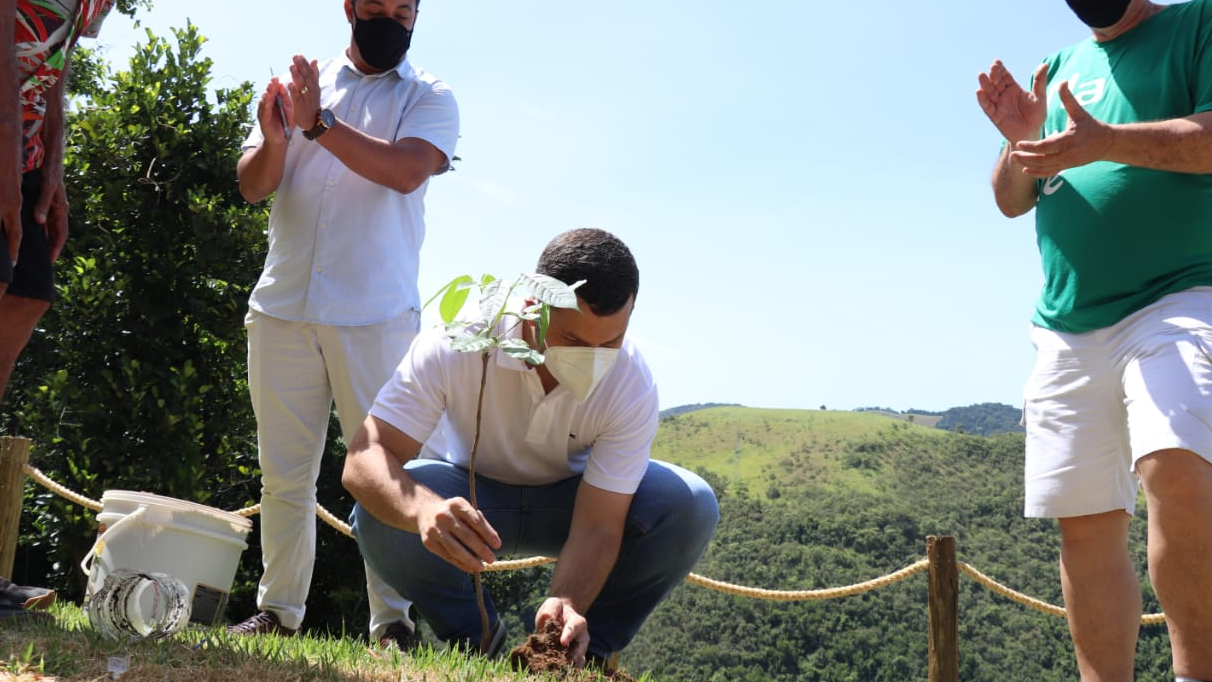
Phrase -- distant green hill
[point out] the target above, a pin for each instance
(983, 419)
(683, 409)
(787, 448)
(813, 499)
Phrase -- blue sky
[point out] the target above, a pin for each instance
(804, 185)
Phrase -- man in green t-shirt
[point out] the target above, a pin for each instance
(1112, 146)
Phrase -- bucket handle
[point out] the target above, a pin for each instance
(214, 535)
(86, 564)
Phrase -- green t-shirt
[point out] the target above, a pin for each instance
(1115, 238)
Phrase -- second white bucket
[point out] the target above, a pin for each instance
(196, 544)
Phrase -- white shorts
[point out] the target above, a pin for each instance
(1099, 401)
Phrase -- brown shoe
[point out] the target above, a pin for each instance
(264, 623)
(400, 636)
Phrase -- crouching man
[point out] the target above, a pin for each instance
(562, 469)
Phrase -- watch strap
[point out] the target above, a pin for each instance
(318, 129)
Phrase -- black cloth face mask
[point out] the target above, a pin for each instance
(1099, 13)
(381, 41)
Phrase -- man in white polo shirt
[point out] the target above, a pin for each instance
(562, 469)
(337, 303)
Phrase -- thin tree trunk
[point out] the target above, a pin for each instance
(486, 636)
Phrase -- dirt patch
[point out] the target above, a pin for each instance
(543, 653)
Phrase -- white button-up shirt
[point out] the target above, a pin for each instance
(344, 250)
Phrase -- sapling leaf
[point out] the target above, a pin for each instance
(446, 286)
(476, 336)
(471, 344)
(493, 298)
(453, 301)
(457, 328)
(552, 291)
(518, 348)
(460, 283)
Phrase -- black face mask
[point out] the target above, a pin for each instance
(381, 41)
(1099, 13)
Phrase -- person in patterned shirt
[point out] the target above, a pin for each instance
(33, 203)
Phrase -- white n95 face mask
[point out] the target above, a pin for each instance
(579, 368)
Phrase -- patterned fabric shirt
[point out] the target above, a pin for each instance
(47, 30)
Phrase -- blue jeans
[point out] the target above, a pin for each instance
(671, 519)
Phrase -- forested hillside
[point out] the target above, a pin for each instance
(983, 419)
(816, 499)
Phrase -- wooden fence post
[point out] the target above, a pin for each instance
(944, 609)
(14, 453)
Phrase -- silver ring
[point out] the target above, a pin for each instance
(304, 90)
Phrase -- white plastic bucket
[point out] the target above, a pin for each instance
(196, 544)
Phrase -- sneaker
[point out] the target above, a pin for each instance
(30, 598)
(400, 636)
(264, 623)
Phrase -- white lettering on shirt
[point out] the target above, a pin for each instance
(1052, 184)
(1086, 93)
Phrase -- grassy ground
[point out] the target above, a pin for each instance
(69, 650)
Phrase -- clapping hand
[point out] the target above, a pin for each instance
(1084, 140)
(1018, 114)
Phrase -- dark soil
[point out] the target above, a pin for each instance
(543, 653)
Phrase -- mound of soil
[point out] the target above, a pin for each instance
(543, 653)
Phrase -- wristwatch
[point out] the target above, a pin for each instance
(325, 119)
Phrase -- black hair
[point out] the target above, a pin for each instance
(598, 257)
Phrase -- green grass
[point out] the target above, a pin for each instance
(67, 649)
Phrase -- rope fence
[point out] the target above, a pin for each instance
(941, 563)
(694, 578)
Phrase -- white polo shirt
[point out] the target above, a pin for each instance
(527, 437)
(342, 249)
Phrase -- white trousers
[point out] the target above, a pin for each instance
(295, 372)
